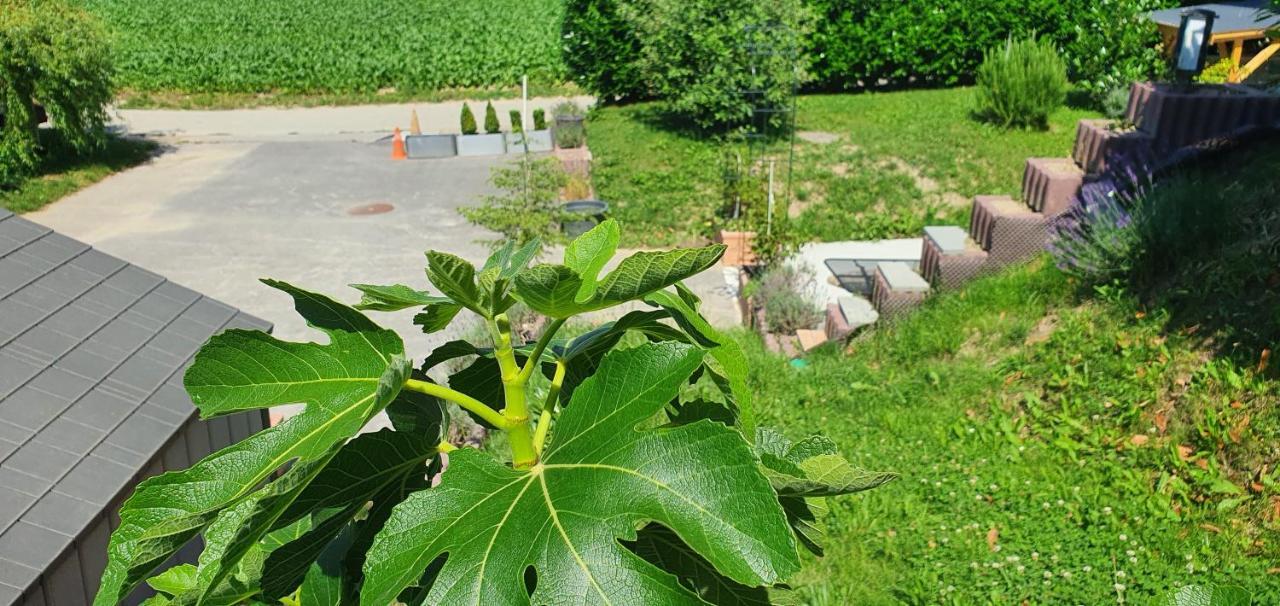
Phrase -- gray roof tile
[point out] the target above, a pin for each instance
(31, 545)
(96, 479)
(41, 460)
(13, 574)
(92, 352)
(42, 344)
(100, 409)
(31, 408)
(62, 514)
(65, 434)
(15, 371)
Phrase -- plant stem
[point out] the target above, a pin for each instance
(544, 420)
(516, 412)
(461, 399)
(543, 341)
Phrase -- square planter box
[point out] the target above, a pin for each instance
(538, 140)
(482, 145)
(431, 146)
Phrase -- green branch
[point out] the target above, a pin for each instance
(543, 341)
(544, 420)
(461, 399)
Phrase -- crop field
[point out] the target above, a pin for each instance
(331, 45)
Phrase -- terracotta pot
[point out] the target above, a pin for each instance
(738, 247)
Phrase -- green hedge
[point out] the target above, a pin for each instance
(332, 45)
(872, 43)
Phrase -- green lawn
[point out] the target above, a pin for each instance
(1057, 444)
(63, 174)
(902, 160)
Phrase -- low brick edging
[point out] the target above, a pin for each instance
(893, 303)
(1099, 141)
(576, 160)
(951, 270)
(1049, 184)
(1175, 116)
(1007, 230)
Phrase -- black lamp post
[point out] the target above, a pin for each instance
(1193, 43)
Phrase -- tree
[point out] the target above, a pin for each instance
(56, 55)
(636, 474)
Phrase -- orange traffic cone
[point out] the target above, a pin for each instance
(415, 128)
(397, 146)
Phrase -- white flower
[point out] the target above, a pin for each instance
(1012, 558)
(1119, 587)
(1087, 568)
(1119, 574)
(1188, 557)
(1035, 555)
(1124, 537)
(1107, 511)
(1045, 505)
(1021, 569)
(1061, 502)
(1130, 553)
(1066, 574)
(1048, 575)
(1133, 560)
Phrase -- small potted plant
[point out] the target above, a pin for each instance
(429, 146)
(520, 140)
(492, 143)
(570, 133)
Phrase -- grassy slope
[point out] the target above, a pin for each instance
(63, 174)
(1096, 440)
(665, 185)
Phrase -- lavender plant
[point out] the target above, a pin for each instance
(637, 476)
(1097, 239)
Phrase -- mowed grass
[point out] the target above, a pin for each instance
(902, 160)
(65, 172)
(1013, 411)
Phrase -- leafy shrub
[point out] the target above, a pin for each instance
(787, 296)
(1218, 73)
(577, 188)
(1096, 239)
(1021, 82)
(517, 123)
(1111, 44)
(602, 50)
(893, 43)
(569, 132)
(468, 120)
(491, 125)
(528, 205)
(57, 55)
(1116, 103)
(285, 45)
(315, 512)
(539, 119)
(698, 56)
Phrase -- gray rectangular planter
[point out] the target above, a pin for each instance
(431, 146)
(538, 140)
(482, 145)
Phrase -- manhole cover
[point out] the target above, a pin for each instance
(376, 208)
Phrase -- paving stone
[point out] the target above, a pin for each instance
(12, 505)
(41, 461)
(15, 575)
(210, 313)
(68, 435)
(109, 298)
(16, 318)
(15, 372)
(75, 322)
(61, 383)
(141, 434)
(87, 364)
(68, 281)
(42, 344)
(134, 280)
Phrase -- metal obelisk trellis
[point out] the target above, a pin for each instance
(766, 143)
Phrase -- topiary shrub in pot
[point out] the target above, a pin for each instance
(491, 143)
(1020, 83)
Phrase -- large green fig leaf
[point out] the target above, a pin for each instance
(455, 277)
(553, 290)
(589, 253)
(343, 384)
(664, 549)
(394, 297)
(599, 479)
(812, 467)
(683, 307)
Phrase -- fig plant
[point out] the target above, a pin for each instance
(636, 472)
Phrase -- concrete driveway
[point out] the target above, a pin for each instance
(231, 201)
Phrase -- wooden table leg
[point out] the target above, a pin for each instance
(1257, 61)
